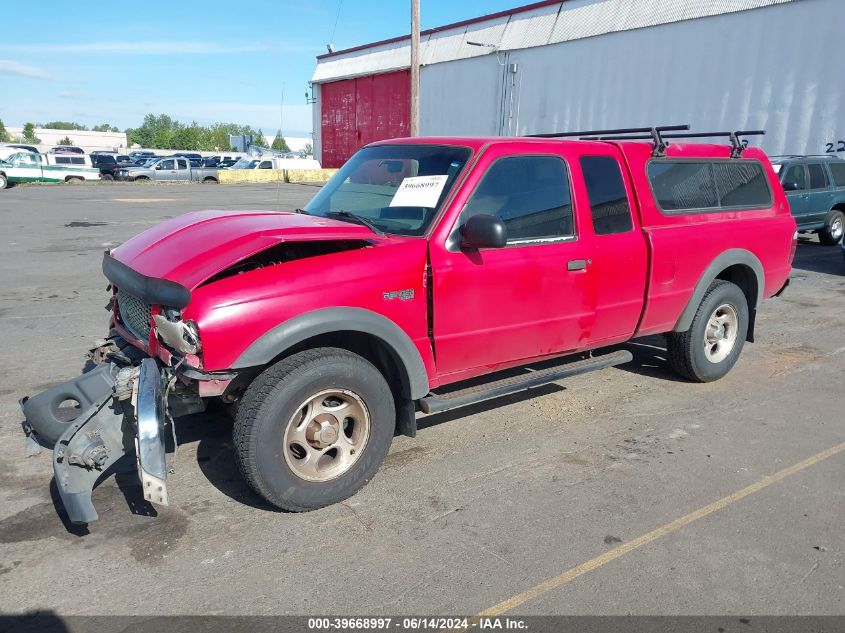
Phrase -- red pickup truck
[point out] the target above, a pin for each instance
(422, 263)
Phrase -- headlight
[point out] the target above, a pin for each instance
(183, 336)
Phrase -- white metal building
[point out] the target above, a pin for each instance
(588, 64)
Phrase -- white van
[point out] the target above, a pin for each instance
(275, 162)
(23, 166)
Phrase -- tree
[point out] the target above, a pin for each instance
(62, 125)
(104, 127)
(258, 139)
(65, 141)
(29, 134)
(4, 135)
(308, 150)
(280, 143)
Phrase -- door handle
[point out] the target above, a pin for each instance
(577, 264)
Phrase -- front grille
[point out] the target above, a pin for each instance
(135, 314)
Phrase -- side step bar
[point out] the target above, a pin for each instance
(434, 403)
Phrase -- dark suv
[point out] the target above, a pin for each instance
(815, 188)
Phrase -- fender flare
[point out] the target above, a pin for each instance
(327, 320)
(727, 259)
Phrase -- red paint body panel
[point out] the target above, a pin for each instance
(484, 310)
(357, 112)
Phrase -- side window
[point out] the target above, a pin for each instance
(796, 174)
(741, 184)
(606, 191)
(265, 165)
(818, 179)
(62, 160)
(679, 186)
(708, 185)
(77, 160)
(167, 164)
(837, 170)
(530, 194)
(182, 164)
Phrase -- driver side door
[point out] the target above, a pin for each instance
(495, 307)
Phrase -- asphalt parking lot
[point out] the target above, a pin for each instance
(612, 493)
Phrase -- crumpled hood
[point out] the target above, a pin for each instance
(192, 247)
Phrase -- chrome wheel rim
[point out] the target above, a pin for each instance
(836, 228)
(326, 435)
(720, 333)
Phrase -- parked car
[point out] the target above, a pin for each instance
(124, 159)
(66, 149)
(33, 167)
(422, 263)
(191, 155)
(815, 189)
(275, 162)
(167, 169)
(142, 155)
(107, 164)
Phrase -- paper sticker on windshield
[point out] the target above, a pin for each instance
(420, 191)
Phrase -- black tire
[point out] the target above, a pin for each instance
(834, 226)
(74, 180)
(268, 407)
(106, 177)
(4, 182)
(209, 180)
(687, 351)
(141, 179)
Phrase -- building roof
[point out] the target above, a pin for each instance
(537, 24)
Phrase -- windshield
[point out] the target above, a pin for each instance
(399, 188)
(245, 163)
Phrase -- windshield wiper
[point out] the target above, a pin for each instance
(354, 217)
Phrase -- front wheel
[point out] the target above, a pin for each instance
(313, 429)
(712, 344)
(3, 181)
(834, 227)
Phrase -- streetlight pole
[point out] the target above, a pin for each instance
(415, 67)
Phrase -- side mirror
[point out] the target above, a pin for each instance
(790, 185)
(484, 231)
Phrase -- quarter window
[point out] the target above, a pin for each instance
(837, 170)
(606, 191)
(818, 179)
(693, 186)
(530, 194)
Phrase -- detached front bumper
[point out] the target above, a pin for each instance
(123, 409)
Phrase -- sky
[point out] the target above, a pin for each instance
(205, 60)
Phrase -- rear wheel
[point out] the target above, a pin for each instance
(314, 428)
(209, 181)
(834, 227)
(3, 181)
(74, 180)
(106, 177)
(712, 344)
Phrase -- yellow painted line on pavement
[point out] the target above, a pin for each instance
(645, 539)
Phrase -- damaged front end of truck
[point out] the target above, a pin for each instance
(123, 406)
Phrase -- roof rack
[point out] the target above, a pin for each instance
(831, 156)
(654, 133)
(737, 145)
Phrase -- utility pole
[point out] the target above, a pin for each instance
(415, 67)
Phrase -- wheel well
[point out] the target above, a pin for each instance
(370, 347)
(839, 207)
(744, 277)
